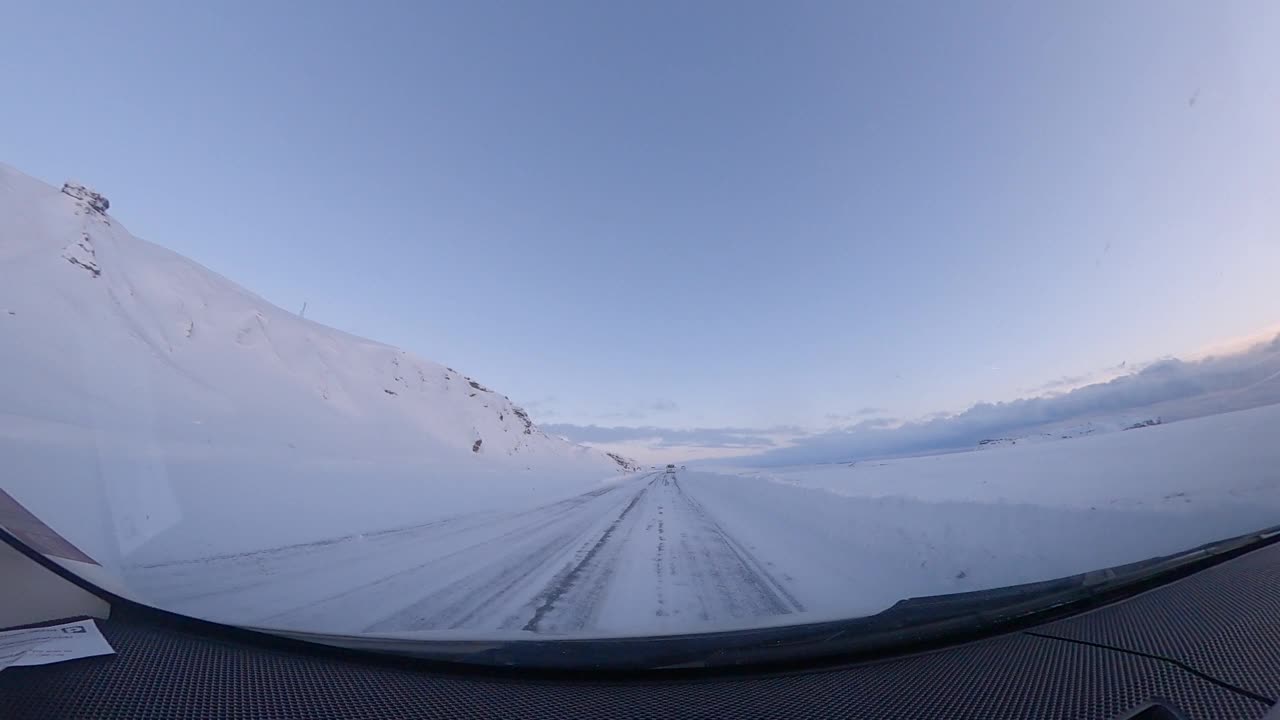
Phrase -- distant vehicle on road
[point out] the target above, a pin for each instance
(671, 468)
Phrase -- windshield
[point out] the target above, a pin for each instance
(554, 321)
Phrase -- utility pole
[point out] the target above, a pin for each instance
(304, 309)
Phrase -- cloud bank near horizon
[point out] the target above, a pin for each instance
(1171, 388)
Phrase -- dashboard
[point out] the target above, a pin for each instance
(1204, 646)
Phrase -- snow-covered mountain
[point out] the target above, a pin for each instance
(117, 347)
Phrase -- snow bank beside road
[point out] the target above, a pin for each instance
(856, 538)
(194, 500)
(848, 556)
(1190, 465)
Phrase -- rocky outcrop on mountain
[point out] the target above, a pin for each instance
(95, 201)
(625, 463)
(81, 254)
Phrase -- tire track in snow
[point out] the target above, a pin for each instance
(631, 568)
(730, 581)
(569, 576)
(755, 575)
(641, 553)
(662, 561)
(485, 595)
(513, 530)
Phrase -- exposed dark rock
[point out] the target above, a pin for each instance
(524, 418)
(96, 201)
(92, 269)
(625, 463)
(475, 447)
(82, 254)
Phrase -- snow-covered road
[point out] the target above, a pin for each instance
(643, 549)
(661, 553)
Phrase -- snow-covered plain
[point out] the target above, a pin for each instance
(1214, 461)
(226, 458)
(689, 551)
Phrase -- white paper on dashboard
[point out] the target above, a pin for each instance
(55, 643)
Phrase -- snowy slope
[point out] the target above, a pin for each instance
(202, 412)
(1071, 430)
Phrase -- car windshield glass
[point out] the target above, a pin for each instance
(561, 321)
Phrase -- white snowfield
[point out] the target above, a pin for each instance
(227, 459)
(693, 551)
(151, 408)
(1213, 461)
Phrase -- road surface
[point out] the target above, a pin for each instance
(664, 553)
(640, 554)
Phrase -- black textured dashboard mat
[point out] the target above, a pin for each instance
(1223, 621)
(160, 672)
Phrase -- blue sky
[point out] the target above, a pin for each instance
(692, 215)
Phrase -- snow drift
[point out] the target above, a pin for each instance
(150, 407)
